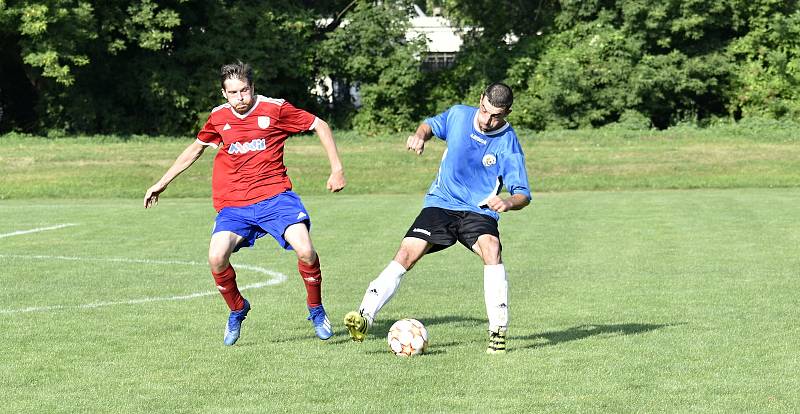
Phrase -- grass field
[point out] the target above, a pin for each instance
(653, 301)
(114, 167)
(647, 295)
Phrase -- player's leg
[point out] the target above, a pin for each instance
(479, 233)
(220, 249)
(308, 265)
(429, 233)
(307, 262)
(285, 218)
(495, 290)
(233, 229)
(219, 253)
(381, 290)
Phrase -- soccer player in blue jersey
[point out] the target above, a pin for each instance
(462, 205)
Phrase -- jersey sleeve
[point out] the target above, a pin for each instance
(294, 120)
(514, 172)
(208, 135)
(438, 124)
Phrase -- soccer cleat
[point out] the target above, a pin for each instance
(234, 326)
(322, 326)
(497, 341)
(356, 326)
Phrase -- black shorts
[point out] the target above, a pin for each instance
(442, 228)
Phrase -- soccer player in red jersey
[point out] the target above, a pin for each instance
(252, 192)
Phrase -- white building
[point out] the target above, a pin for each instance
(443, 41)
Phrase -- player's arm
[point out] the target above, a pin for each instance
(515, 177)
(184, 161)
(515, 202)
(417, 141)
(336, 181)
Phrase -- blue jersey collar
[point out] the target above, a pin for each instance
(488, 134)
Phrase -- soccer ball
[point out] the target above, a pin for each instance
(407, 337)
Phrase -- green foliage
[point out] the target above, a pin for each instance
(371, 52)
(657, 59)
(768, 78)
(55, 33)
(631, 120)
(154, 68)
(582, 80)
(674, 87)
(146, 67)
(142, 66)
(146, 25)
(488, 53)
(584, 63)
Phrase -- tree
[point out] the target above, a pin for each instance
(370, 51)
(767, 80)
(141, 66)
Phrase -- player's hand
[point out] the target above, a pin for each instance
(151, 196)
(416, 144)
(336, 181)
(498, 204)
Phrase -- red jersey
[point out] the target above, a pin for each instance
(249, 164)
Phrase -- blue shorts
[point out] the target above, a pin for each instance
(272, 216)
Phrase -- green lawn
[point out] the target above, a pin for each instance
(621, 301)
(656, 271)
(109, 167)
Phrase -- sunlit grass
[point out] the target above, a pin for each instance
(644, 301)
(101, 167)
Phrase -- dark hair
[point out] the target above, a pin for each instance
(499, 95)
(238, 70)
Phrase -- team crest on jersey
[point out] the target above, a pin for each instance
(489, 160)
(263, 122)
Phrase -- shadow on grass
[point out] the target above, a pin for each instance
(437, 349)
(381, 327)
(585, 331)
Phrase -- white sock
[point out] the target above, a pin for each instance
(495, 293)
(381, 290)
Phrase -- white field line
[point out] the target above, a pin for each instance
(17, 233)
(276, 278)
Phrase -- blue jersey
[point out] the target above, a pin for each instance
(475, 166)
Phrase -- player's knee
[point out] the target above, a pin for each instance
(306, 255)
(491, 252)
(492, 259)
(405, 257)
(488, 248)
(217, 261)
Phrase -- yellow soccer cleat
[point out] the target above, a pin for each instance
(497, 341)
(356, 326)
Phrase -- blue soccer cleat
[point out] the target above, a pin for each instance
(322, 326)
(234, 326)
